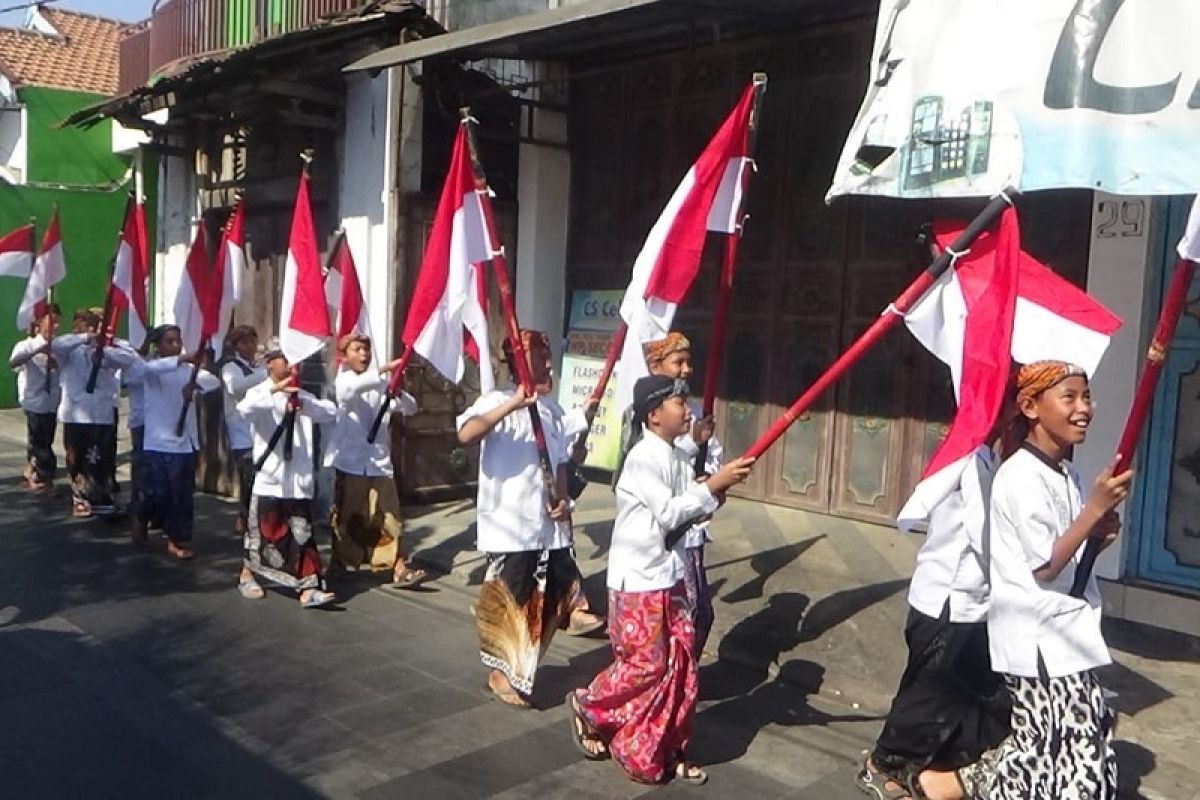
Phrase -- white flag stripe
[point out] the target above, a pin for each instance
(123, 281)
(1189, 246)
(16, 264)
(930, 492)
(938, 321)
(726, 211)
(49, 268)
(188, 314)
(333, 293)
(296, 345)
(1039, 334)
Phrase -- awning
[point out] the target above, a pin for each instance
(614, 26)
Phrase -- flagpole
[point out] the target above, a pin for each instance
(1143, 399)
(716, 347)
(104, 332)
(890, 316)
(500, 270)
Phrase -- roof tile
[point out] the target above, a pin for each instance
(84, 58)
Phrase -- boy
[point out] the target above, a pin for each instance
(238, 374)
(639, 711)
(168, 479)
(279, 541)
(531, 577)
(39, 394)
(1046, 643)
(87, 417)
(366, 506)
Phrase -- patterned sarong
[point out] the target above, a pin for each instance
(90, 456)
(164, 492)
(644, 704)
(695, 580)
(1061, 742)
(526, 596)
(43, 465)
(366, 521)
(279, 542)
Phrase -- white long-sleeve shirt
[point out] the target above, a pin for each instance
(359, 395)
(657, 491)
(951, 564)
(74, 357)
(264, 409)
(133, 379)
(31, 378)
(698, 535)
(1033, 504)
(238, 377)
(163, 382)
(511, 502)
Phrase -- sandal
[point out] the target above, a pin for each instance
(181, 552)
(409, 579)
(250, 589)
(874, 783)
(506, 693)
(688, 772)
(317, 599)
(582, 733)
(585, 623)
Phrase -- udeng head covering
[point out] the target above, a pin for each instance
(351, 338)
(529, 339)
(1035, 378)
(657, 351)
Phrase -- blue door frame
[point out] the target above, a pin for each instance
(1161, 467)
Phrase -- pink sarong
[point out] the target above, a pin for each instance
(644, 703)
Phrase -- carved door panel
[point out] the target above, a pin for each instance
(1168, 482)
(425, 451)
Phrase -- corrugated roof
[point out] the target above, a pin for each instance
(84, 57)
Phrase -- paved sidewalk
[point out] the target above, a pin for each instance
(805, 655)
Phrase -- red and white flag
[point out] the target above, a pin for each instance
(196, 306)
(131, 275)
(344, 295)
(49, 268)
(997, 305)
(303, 317)
(16, 253)
(451, 290)
(709, 198)
(230, 267)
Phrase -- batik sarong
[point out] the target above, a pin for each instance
(525, 598)
(166, 486)
(695, 580)
(43, 465)
(950, 707)
(1061, 743)
(243, 463)
(644, 704)
(366, 521)
(90, 464)
(279, 542)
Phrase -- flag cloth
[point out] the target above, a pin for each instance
(451, 290)
(195, 310)
(16, 253)
(303, 317)
(131, 275)
(1189, 245)
(707, 199)
(351, 306)
(997, 305)
(49, 268)
(230, 267)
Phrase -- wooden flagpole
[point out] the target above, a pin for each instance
(716, 347)
(500, 270)
(891, 315)
(1143, 398)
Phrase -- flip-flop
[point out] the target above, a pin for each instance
(507, 695)
(587, 628)
(409, 579)
(874, 783)
(688, 772)
(318, 599)
(251, 590)
(582, 732)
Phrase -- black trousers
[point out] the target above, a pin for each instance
(950, 707)
(39, 449)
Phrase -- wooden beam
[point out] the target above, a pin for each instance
(301, 91)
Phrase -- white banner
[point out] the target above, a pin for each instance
(967, 96)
